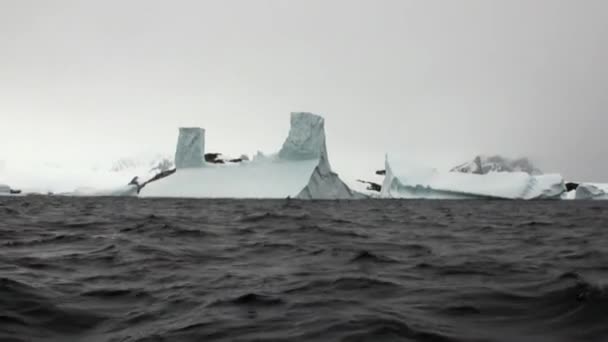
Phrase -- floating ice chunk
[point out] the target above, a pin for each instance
(591, 191)
(405, 181)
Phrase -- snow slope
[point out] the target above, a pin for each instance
(406, 181)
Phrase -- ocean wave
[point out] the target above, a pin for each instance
(109, 269)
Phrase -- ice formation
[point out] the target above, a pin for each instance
(126, 190)
(190, 152)
(306, 139)
(591, 191)
(326, 184)
(34, 177)
(299, 170)
(4, 189)
(404, 181)
(486, 164)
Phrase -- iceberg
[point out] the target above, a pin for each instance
(5, 189)
(326, 184)
(300, 169)
(404, 181)
(591, 191)
(485, 164)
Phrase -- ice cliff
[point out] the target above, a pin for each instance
(406, 181)
(190, 151)
(306, 139)
(300, 169)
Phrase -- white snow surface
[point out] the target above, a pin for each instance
(403, 180)
(149, 164)
(362, 188)
(73, 179)
(255, 179)
(569, 195)
(125, 190)
(591, 191)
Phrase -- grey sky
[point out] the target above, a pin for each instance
(87, 80)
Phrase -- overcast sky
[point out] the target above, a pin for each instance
(443, 80)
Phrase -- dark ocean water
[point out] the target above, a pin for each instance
(126, 269)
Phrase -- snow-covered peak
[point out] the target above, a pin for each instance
(485, 164)
(306, 139)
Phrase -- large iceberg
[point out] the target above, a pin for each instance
(591, 191)
(300, 169)
(405, 181)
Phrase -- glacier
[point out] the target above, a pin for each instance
(300, 169)
(403, 180)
